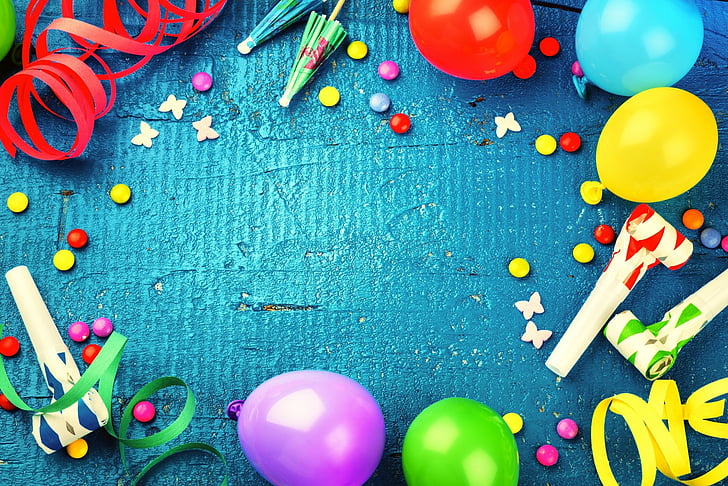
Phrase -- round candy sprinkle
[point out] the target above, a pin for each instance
(90, 352)
(514, 422)
(120, 194)
(547, 455)
(357, 50)
(710, 238)
(567, 428)
(5, 403)
(576, 70)
(388, 70)
(379, 102)
(545, 144)
(570, 142)
(526, 68)
(79, 331)
(519, 267)
(693, 219)
(64, 260)
(102, 327)
(9, 346)
(583, 253)
(329, 96)
(77, 449)
(77, 238)
(604, 234)
(549, 46)
(202, 81)
(17, 202)
(400, 123)
(401, 6)
(144, 411)
(724, 243)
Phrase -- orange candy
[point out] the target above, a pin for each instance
(693, 219)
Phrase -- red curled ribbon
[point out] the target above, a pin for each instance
(76, 85)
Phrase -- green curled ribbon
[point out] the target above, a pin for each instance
(103, 371)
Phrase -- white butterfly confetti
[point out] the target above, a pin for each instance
(505, 123)
(535, 335)
(174, 105)
(204, 132)
(145, 136)
(531, 306)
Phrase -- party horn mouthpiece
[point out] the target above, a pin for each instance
(53, 431)
(645, 240)
(653, 348)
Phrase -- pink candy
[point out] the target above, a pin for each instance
(102, 327)
(202, 81)
(79, 331)
(144, 411)
(388, 70)
(547, 455)
(567, 429)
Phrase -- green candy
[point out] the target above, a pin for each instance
(461, 442)
(7, 27)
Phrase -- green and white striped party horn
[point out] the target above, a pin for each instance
(653, 348)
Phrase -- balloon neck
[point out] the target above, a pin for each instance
(591, 192)
(234, 409)
(580, 83)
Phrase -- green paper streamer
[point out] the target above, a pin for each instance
(103, 371)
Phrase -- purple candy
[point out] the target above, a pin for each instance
(102, 327)
(79, 331)
(388, 70)
(311, 427)
(567, 429)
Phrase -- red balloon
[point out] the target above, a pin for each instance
(472, 39)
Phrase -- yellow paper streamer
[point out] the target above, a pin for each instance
(663, 446)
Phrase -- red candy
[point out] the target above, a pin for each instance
(604, 234)
(526, 68)
(90, 352)
(549, 46)
(400, 123)
(9, 346)
(570, 142)
(77, 238)
(5, 403)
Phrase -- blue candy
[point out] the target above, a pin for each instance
(710, 238)
(379, 102)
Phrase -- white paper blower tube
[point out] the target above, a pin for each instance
(598, 308)
(38, 321)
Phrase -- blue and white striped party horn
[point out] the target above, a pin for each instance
(653, 348)
(53, 431)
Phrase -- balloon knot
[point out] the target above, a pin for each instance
(580, 83)
(591, 192)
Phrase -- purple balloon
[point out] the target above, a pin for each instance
(311, 428)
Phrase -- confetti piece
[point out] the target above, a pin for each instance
(531, 306)
(145, 136)
(505, 123)
(204, 130)
(174, 105)
(535, 335)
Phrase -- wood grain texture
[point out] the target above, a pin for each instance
(392, 250)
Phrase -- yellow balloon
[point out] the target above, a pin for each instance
(657, 145)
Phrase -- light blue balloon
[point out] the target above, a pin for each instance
(628, 46)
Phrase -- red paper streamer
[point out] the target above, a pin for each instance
(76, 85)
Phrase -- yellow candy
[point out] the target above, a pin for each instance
(401, 6)
(120, 193)
(63, 260)
(545, 144)
(357, 50)
(519, 267)
(17, 202)
(329, 96)
(583, 253)
(77, 449)
(514, 421)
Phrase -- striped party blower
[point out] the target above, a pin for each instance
(645, 240)
(653, 348)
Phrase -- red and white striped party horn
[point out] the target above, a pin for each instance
(646, 240)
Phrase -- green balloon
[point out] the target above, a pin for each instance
(459, 442)
(7, 27)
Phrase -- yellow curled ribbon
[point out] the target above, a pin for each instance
(663, 446)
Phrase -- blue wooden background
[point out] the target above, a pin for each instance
(393, 248)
